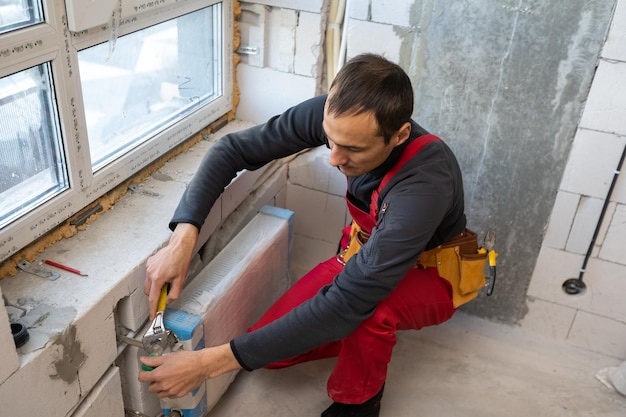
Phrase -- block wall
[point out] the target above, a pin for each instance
(595, 318)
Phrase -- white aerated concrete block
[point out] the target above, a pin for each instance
(95, 339)
(548, 319)
(308, 40)
(8, 353)
(136, 396)
(313, 170)
(259, 97)
(308, 252)
(613, 244)
(132, 310)
(373, 37)
(281, 45)
(392, 12)
(42, 387)
(561, 219)
(615, 46)
(605, 291)
(238, 190)
(359, 9)
(606, 103)
(599, 334)
(318, 215)
(105, 399)
(268, 188)
(592, 162)
(553, 267)
(585, 221)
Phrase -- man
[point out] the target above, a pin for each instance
(405, 195)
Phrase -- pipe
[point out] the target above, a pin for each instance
(333, 36)
(344, 38)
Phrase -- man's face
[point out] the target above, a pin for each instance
(356, 147)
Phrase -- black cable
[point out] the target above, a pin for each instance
(577, 285)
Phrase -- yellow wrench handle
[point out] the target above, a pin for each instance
(163, 298)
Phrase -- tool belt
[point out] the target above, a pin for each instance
(458, 261)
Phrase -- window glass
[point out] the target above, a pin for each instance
(145, 81)
(32, 166)
(15, 14)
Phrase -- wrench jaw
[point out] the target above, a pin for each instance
(159, 340)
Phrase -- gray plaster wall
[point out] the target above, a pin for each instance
(504, 83)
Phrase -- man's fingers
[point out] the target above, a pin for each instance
(175, 290)
(153, 362)
(153, 297)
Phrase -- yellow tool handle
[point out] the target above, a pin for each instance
(163, 298)
(492, 257)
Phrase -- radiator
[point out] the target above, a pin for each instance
(220, 303)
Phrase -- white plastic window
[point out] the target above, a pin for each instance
(15, 14)
(32, 166)
(152, 78)
(82, 110)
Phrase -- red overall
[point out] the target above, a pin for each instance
(421, 299)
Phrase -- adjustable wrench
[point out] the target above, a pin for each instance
(158, 339)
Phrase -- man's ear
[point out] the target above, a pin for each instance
(402, 134)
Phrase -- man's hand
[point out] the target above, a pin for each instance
(176, 374)
(170, 264)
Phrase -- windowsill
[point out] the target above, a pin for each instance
(76, 316)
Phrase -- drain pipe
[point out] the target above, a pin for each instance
(343, 46)
(574, 286)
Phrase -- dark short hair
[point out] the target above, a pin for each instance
(369, 82)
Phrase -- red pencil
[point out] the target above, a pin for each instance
(64, 267)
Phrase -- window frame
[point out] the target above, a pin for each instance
(53, 42)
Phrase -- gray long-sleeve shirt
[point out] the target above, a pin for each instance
(424, 209)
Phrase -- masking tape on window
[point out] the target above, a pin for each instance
(116, 17)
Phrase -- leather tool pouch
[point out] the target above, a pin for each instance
(358, 238)
(459, 262)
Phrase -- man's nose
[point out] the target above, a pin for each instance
(337, 158)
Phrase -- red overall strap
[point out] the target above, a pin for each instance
(411, 150)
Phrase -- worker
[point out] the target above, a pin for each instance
(405, 196)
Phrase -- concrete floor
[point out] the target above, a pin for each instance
(466, 367)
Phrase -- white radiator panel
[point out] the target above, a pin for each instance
(240, 283)
(220, 303)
